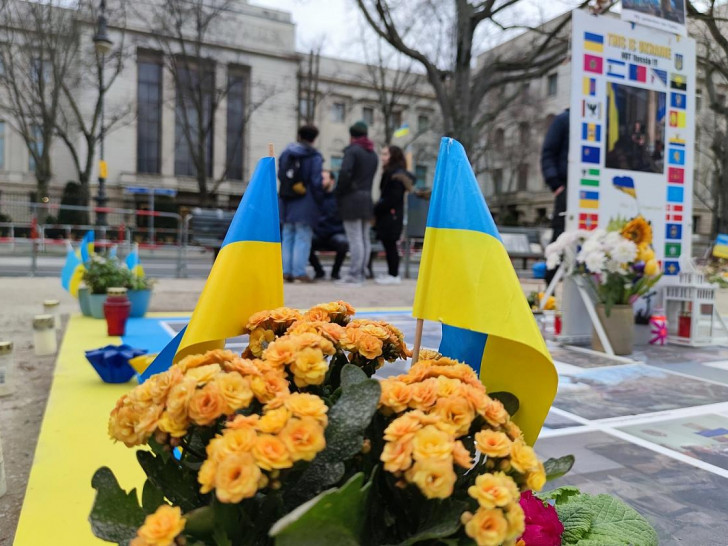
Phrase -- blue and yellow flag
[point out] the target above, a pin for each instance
(466, 282)
(72, 272)
(401, 131)
(87, 246)
(625, 184)
(247, 275)
(132, 262)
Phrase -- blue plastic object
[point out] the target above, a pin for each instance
(112, 362)
(539, 270)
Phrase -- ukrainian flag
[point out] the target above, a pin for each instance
(132, 262)
(247, 275)
(625, 184)
(72, 272)
(402, 131)
(467, 283)
(593, 42)
(87, 246)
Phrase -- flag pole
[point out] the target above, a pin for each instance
(270, 150)
(418, 340)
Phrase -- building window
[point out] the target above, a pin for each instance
(2, 145)
(696, 224)
(367, 115)
(336, 165)
(525, 92)
(498, 181)
(187, 119)
(523, 177)
(499, 139)
(423, 123)
(36, 146)
(524, 133)
(338, 112)
(698, 99)
(397, 119)
(552, 86)
(305, 108)
(149, 115)
(421, 176)
(237, 83)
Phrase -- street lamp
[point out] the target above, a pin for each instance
(102, 45)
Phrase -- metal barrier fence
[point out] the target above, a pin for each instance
(123, 230)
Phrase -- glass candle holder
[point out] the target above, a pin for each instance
(44, 335)
(53, 307)
(7, 368)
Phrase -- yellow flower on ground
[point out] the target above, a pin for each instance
(172, 427)
(493, 443)
(281, 352)
(309, 368)
(516, 521)
(495, 413)
(235, 389)
(206, 475)
(207, 404)
(494, 490)
(461, 455)
(303, 404)
(638, 230)
(178, 399)
(424, 394)
(434, 478)
(403, 427)
(523, 457)
(488, 527)
(430, 443)
(273, 421)
(536, 479)
(304, 438)
(204, 374)
(236, 478)
(456, 411)
(259, 340)
(161, 527)
(397, 456)
(238, 440)
(395, 395)
(271, 453)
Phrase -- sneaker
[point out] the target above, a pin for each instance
(288, 278)
(388, 279)
(349, 281)
(319, 275)
(302, 279)
(335, 277)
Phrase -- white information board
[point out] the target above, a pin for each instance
(632, 131)
(667, 15)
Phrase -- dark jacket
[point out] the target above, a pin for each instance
(303, 209)
(555, 152)
(354, 189)
(389, 210)
(329, 223)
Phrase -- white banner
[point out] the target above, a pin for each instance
(632, 131)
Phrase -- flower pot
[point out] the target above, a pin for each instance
(96, 305)
(139, 302)
(619, 327)
(83, 294)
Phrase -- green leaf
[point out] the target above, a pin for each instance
(179, 484)
(560, 495)
(152, 497)
(200, 521)
(555, 468)
(442, 521)
(116, 515)
(352, 375)
(508, 399)
(577, 520)
(335, 517)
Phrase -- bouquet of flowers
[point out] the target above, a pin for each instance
(716, 271)
(293, 442)
(619, 261)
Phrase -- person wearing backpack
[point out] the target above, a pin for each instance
(354, 197)
(299, 174)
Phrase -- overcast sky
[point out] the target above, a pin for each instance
(336, 22)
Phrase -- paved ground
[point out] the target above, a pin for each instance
(653, 430)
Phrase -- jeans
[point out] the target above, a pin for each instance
(296, 246)
(338, 243)
(357, 232)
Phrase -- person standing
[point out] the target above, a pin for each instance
(354, 197)
(389, 210)
(299, 173)
(555, 166)
(329, 232)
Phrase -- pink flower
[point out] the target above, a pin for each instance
(543, 527)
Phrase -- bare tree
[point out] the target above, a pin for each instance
(442, 38)
(309, 80)
(37, 44)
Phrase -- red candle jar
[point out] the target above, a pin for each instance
(116, 310)
(683, 325)
(557, 324)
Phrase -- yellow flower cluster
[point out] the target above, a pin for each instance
(338, 312)
(264, 326)
(197, 390)
(374, 340)
(304, 355)
(639, 231)
(160, 528)
(437, 404)
(290, 429)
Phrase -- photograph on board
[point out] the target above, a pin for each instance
(667, 15)
(635, 128)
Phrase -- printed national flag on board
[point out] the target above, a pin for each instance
(673, 231)
(679, 82)
(658, 77)
(591, 132)
(676, 156)
(588, 221)
(591, 109)
(589, 199)
(616, 69)
(590, 154)
(589, 86)
(637, 73)
(672, 267)
(673, 250)
(593, 42)
(677, 140)
(678, 100)
(675, 194)
(592, 63)
(674, 213)
(677, 119)
(675, 175)
(673, 217)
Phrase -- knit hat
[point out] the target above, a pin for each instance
(359, 129)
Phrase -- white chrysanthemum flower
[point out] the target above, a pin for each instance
(613, 238)
(624, 252)
(553, 260)
(613, 267)
(553, 248)
(590, 245)
(594, 261)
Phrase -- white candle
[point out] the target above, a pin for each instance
(53, 307)
(44, 335)
(3, 483)
(7, 383)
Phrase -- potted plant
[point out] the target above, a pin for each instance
(102, 273)
(619, 265)
(139, 292)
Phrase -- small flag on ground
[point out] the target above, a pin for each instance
(72, 272)
(132, 262)
(467, 282)
(87, 246)
(402, 131)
